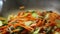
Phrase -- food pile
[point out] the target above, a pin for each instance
(31, 22)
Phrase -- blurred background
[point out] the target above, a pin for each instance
(1, 4)
(11, 6)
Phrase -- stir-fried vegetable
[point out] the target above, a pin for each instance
(31, 22)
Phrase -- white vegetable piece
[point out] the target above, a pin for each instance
(47, 16)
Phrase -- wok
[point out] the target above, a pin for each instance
(12, 6)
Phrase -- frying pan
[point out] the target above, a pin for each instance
(12, 6)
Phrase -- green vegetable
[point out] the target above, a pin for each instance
(58, 23)
(35, 15)
(28, 23)
(1, 23)
(36, 31)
